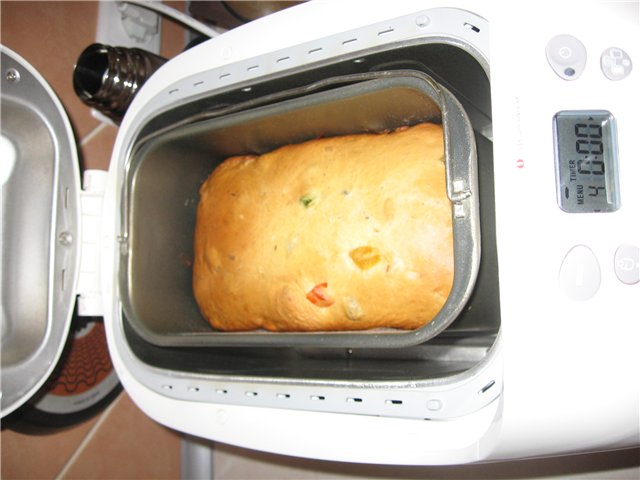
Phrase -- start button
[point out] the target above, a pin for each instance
(567, 56)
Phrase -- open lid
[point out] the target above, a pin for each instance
(39, 214)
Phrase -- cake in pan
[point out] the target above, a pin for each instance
(334, 234)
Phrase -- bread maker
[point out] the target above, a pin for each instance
(535, 352)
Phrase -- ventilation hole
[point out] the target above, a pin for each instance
(393, 402)
(317, 397)
(221, 391)
(224, 75)
(283, 395)
(315, 50)
(197, 84)
(283, 59)
(354, 400)
(193, 389)
(246, 89)
(252, 68)
(487, 387)
(174, 90)
(63, 279)
(351, 40)
(472, 27)
(385, 32)
(66, 198)
(251, 394)
(167, 387)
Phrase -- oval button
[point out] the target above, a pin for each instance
(580, 273)
(567, 56)
(627, 264)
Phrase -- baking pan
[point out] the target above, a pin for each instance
(167, 167)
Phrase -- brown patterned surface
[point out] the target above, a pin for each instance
(86, 365)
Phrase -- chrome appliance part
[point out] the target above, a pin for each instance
(107, 78)
(40, 231)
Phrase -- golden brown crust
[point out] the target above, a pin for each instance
(343, 233)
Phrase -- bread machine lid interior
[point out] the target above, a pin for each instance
(39, 185)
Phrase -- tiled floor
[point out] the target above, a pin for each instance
(122, 443)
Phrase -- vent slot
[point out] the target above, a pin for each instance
(487, 387)
(471, 27)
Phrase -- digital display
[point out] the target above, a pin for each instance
(586, 161)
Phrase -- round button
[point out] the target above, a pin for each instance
(615, 63)
(567, 56)
(580, 273)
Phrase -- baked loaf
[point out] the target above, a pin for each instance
(342, 233)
